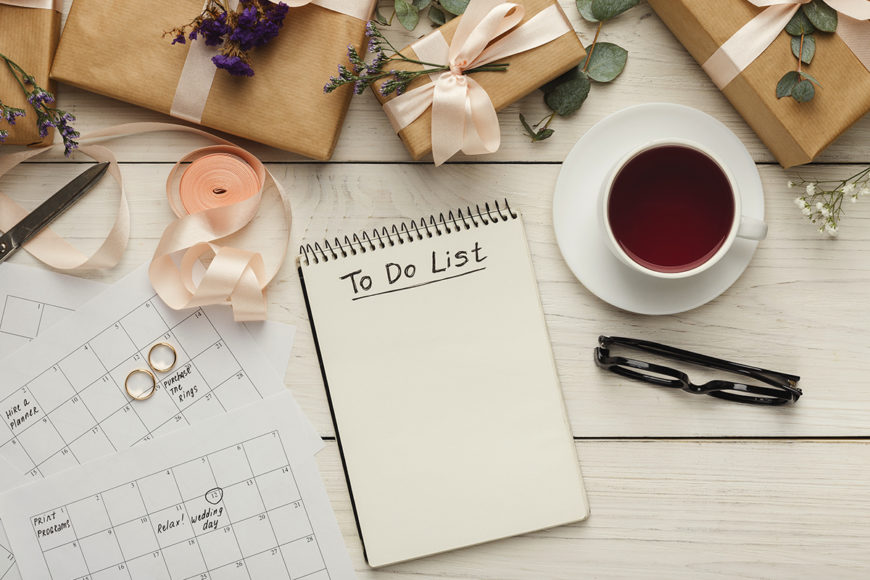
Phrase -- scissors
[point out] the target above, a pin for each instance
(35, 221)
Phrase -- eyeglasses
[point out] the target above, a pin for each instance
(780, 387)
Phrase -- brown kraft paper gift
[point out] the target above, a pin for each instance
(794, 132)
(527, 71)
(116, 48)
(29, 37)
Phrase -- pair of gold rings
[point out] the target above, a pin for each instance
(157, 364)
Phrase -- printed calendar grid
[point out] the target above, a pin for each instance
(22, 317)
(308, 565)
(22, 444)
(7, 562)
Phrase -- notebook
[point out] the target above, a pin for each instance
(441, 382)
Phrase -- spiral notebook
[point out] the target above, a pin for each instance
(441, 383)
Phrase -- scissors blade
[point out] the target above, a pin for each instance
(35, 221)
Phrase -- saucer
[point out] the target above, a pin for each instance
(575, 208)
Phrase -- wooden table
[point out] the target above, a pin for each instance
(680, 486)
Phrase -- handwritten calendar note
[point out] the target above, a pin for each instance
(219, 501)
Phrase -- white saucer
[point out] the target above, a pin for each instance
(575, 208)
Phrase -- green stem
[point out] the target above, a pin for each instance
(592, 48)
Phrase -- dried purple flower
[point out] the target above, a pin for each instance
(233, 64)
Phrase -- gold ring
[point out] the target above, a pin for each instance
(146, 394)
(171, 365)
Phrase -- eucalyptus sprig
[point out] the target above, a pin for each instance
(810, 18)
(408, 11)
(822, 200)
(604, 62)
(41, 100)
(362, 74)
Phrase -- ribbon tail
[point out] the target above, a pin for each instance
(448, 116)
(482, 131)
(856, 35)
(747, 44)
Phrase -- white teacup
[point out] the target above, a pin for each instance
(741, 226)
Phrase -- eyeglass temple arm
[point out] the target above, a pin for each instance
(689, 356)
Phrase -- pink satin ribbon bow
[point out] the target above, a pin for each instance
(747, 44)
(463, 116)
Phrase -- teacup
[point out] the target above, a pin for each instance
(672, 209)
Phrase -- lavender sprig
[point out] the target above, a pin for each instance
(362, 75)
(254, 23)
(41, 101)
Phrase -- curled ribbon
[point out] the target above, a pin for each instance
(197, 74)
(463, 116)
(747, 44)
(229, 208)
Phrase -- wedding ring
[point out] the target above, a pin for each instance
(147, 391)
(166, 366)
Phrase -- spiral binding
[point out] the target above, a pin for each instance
(406, 232)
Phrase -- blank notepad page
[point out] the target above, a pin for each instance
(443, 388)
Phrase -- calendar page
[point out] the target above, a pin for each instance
(32, 299)
(234, 498)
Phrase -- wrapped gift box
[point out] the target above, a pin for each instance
(527, 71)
(794, 132)
(29, 37)
(117, 48)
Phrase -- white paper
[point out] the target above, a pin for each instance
(62, 397)
(32, 299)
(238, 497)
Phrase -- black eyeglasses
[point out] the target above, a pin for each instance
(780, 387)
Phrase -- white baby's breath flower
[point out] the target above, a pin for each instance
(854, 198)
(819, 205)
(825, 212)
(864, 190)
(799, 201)
(831, 229)
(849, 187)
(790, 183)
(806, 211)
(811, 188)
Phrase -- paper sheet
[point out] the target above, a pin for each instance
(32, 299)
(224, 499)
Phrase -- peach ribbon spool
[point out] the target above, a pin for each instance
(216, 193)
(229, 208)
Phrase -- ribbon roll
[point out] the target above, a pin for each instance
(216, 193)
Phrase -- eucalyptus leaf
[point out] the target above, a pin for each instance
(809, 48)
(535, 136)
(421, 4)
(821, 15)
(787, 83)
(568, 96)
(379, 18)
(407, 14)
(436, 16)
(455, 7)
(606, 63)
(607, 9)
(572, 74)
(803, 91)
(584, 7)
(799, 24)
(809, 77)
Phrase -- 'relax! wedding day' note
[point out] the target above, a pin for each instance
(224, 499)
